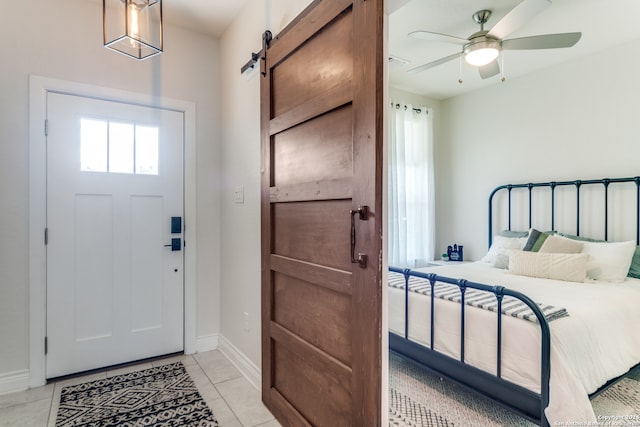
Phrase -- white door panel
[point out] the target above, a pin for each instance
(114, 291)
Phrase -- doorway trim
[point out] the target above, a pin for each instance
(38, 88)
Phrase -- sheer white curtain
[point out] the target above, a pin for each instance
(411, 186)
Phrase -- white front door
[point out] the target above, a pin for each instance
(114, 182)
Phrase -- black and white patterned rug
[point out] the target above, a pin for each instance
(418, 398)
(161, 396)
(404, 411)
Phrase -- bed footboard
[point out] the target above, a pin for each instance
(525, 402)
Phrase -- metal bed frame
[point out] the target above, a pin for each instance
(518, 399)
(578, 184)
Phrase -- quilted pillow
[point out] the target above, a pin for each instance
(567, 267)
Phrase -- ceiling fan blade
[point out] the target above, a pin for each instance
(489, 70)
(437, 37)
(434, 63)
(517, 17)
(545, 41)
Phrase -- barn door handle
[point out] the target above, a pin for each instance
(363, 213)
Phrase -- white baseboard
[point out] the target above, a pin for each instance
(11, 382)
(207, 343)
(240, 361)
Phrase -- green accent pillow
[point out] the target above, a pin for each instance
(512, 234)
(634, 270)
(580, 238)
(535, 240)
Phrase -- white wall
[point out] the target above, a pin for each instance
(416, 100)
(63, 39)
(575, 120)
(240, 154)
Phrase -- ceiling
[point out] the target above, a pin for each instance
(602, 23)
(209, 17)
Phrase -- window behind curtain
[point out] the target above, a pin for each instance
(411, 187)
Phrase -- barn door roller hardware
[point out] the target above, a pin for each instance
(255, 56)
(251, 64)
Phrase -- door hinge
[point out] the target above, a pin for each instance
(46, 345)
(46, 127)
(46, 236)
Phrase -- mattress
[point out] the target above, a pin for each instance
(593, 344)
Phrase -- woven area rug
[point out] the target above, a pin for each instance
(418, 398)
(162, 396)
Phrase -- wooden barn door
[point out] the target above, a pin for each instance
(321, 96)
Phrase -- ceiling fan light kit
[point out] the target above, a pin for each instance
(482, 48)
(481, 52)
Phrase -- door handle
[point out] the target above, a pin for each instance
(363, 214)
(176, 244)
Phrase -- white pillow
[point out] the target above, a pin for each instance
(545, 265)
(497, 255)
(609, 262)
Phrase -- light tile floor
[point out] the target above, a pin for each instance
(233, 400)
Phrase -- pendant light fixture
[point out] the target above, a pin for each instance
(133, 27)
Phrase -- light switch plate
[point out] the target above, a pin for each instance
(238, 194)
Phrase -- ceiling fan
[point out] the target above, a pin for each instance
(482, 48)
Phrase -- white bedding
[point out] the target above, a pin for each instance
(597, 342)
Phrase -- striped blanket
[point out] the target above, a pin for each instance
(476, 298)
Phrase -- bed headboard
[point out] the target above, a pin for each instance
(541, 200)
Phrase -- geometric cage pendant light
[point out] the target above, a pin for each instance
(133, 27)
